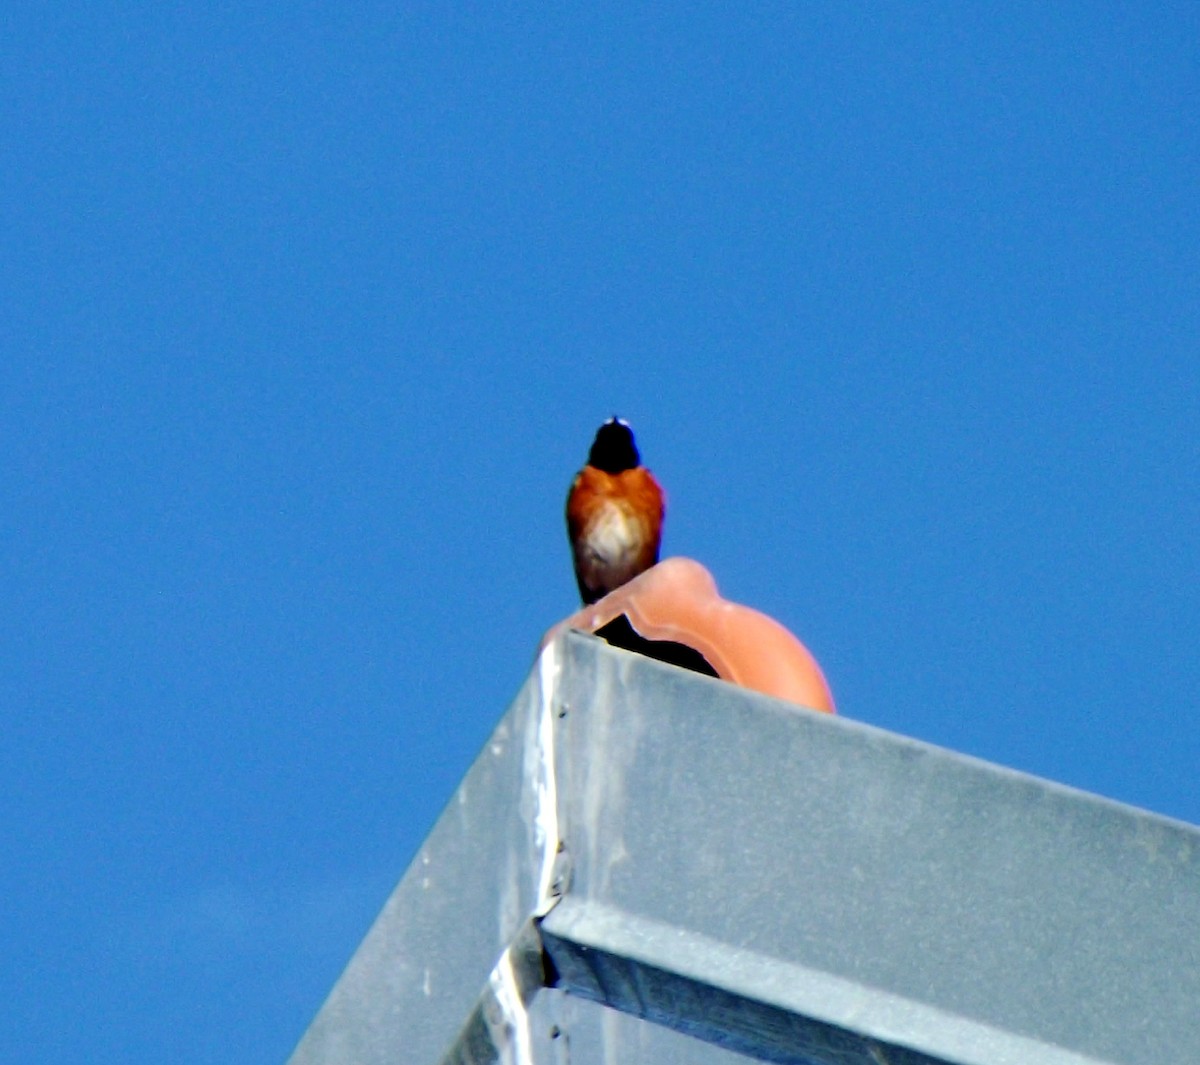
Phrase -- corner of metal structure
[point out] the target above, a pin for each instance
(647, 865)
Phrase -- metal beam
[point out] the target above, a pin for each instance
(699, 859)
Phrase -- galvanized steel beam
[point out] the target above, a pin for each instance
(694, 858)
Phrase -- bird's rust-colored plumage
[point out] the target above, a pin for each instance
(615, 512)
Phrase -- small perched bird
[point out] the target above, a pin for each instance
(614, 514)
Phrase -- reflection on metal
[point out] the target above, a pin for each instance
(500, 1027)
(649, 866)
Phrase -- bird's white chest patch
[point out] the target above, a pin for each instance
(612, 536)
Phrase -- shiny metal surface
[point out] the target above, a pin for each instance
(468, 894)
(772, 881)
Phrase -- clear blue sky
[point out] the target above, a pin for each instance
(309, 316)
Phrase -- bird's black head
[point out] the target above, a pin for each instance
(613, 450)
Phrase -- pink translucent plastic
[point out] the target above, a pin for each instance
(677, 600)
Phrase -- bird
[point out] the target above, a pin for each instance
(615, 513)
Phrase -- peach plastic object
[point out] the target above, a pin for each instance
(677, 600)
